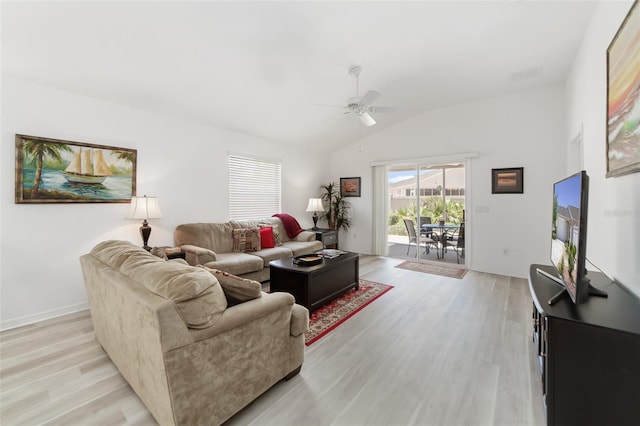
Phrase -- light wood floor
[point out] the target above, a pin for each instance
(432, 351)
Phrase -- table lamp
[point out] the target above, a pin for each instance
(144, 208)
(315, 206)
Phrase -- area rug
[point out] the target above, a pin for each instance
(331, 315)
(428, 268)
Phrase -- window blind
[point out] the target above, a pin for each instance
(254, 187)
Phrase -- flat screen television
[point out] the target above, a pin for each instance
(569, 238)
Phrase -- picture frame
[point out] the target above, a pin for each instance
(507, 180)
(350, 187)
(59, 171)
(623, 97)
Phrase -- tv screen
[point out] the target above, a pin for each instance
(569, 234)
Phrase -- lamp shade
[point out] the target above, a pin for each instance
(315, 205)
(144, 208)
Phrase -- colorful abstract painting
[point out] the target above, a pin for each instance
(623, 97)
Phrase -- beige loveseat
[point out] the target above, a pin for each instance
(211, 244)
(196, 345)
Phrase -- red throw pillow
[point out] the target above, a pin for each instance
(266, 237)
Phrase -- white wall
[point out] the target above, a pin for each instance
(613, 242)
(182, 163)
(526, 129)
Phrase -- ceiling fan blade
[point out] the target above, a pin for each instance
(332, 106)
(367, 119)
(335, 116)
(369, 97)
(382, 109)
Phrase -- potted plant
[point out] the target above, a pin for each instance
(336, 208)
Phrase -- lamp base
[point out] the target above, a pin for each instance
(145, 231)
(315, 221)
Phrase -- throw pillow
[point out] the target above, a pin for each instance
(266, 237)
(236, 289)
(246, 240)
(276, 232)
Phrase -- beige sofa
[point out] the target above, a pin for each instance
(196, 345)
(211, 244)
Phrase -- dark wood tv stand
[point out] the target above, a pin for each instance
(589, 354)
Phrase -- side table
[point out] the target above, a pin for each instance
(329, 237)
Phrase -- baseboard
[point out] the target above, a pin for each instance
(42, 316)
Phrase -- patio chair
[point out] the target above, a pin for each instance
(456, 241)
(426, 231)
(413, 238)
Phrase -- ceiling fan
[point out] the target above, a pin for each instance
(361, 106)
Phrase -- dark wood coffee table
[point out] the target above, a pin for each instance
(314, 286)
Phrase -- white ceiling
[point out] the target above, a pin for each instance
(260, 67)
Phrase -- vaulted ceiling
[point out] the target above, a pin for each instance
(264, 67)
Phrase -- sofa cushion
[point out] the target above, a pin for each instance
(114, 253)
(267, 255)
(197, 294)
(302, 247)
(213, 236)
(236, 288)
(246, 240)
(236, 263)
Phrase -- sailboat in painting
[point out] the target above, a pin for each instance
(87, 166)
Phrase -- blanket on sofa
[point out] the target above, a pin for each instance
(290, 224)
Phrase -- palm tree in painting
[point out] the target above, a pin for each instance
(126, 156)
(38, 151)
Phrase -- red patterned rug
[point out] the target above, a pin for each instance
(331, 315)
(427, 268)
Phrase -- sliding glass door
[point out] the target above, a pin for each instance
(420, 195)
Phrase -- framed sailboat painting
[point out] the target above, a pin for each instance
(58, 171)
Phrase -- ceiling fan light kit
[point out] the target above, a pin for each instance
(367, 119)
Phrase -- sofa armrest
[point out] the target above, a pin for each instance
(198, 255)
(305, 236)
(299, 320)
(243, 313)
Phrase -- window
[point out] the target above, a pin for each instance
(254, 187)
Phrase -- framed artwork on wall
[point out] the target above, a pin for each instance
(507, 181)
(623, 97)
(57, 171)
(350, 187)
